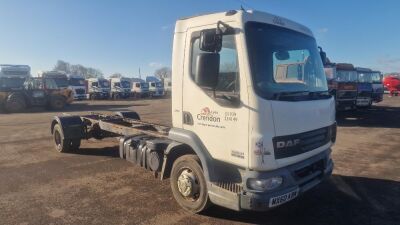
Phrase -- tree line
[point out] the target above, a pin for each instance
(89, 72)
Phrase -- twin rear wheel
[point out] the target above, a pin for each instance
(188, 184)
(64, 145)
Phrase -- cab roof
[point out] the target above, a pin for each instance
(241, 16)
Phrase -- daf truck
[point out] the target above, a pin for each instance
(76, 83)
(241, 137)
(120, 87)
(140, 88)
(98, 88)
(364, 87)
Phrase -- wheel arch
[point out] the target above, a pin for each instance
(186, 142)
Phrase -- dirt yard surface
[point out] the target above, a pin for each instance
(40, 186)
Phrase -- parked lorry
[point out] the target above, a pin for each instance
(77, 84)
(342, 82)
(377, 86)
(140, 88)
(167, 86)
(19, 90)
(120, 87)
(156, 88)
(364, 87)
(98, 88)
(240, 138)
(392, 84)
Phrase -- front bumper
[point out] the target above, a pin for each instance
(80, 97)
(363, 101)
(319, 167)
(343, 105)
(377, 97)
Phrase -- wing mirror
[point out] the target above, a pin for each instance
(210, 40)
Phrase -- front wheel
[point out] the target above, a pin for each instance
(57, 102)
(188, 184)
(15, 103)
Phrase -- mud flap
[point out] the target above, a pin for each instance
(72, 126)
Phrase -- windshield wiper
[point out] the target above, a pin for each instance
(290, 94)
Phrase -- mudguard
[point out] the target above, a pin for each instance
(72, 126)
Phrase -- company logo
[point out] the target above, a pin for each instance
(207, 115)
(287, 144)
(278, 20)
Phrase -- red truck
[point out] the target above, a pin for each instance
(392, 84)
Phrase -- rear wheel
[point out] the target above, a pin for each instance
(188, 184)
(62, 144)
(15, 103)
(57, 102)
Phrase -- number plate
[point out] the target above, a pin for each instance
(279, 200)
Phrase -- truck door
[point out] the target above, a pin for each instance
(220, 118)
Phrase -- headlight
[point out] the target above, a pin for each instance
(264, 185)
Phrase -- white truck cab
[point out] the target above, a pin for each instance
(167, 83)
(77, 84)
(156, 88)
(98, 88)
(12, 77)
(269, 135)
(120, 87)
(140, 88)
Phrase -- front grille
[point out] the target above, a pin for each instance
(364, 94)
(310, 169)
(80, 91)
(291, 145)
(347, 94)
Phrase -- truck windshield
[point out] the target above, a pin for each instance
(364, 77)
(76, 82)
(284, 62)
(55, 83)
(104, 83)
(346, 76)
(376, 78)
(6, 83)
(159, 84)
(125, 84)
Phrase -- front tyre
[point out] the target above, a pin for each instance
(188, 184)
(57, 102)
(15, 103)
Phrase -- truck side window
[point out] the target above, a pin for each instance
(95, 84)
(137, 85)
(228, 69)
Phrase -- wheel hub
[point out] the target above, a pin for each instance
(187, 184)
